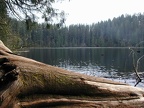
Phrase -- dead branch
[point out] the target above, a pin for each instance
(136, 65)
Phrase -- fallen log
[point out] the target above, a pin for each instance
(30, 84)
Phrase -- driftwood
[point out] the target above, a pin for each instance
(26, 83)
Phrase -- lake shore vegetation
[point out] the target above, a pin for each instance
(123, 31)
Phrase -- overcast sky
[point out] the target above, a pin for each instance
(93, 11)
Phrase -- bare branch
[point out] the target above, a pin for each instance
(136, 66)
(23, 9)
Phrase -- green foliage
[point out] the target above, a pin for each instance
(10, 40)
(124, 31)
(32, 10)
(27, 11)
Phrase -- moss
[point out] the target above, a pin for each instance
(40, 82)
(32, 82)
(57, 83)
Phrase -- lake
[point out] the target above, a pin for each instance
(112, 63)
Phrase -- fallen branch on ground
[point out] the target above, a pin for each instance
(35, 84)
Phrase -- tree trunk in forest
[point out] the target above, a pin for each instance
(30, 84)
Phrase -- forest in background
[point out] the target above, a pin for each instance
(123, 31)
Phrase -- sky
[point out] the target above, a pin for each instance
(93, 11)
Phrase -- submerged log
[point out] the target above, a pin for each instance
(26, 83)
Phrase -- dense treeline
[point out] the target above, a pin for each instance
(126, 30)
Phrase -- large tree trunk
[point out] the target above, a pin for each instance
(27, 83)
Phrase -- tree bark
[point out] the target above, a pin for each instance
(30, 84)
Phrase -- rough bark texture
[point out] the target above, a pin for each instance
(26, 83)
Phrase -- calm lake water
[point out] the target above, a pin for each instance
(112, 63)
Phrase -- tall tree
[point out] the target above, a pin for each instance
(3, 20)
(29, 11)
(5, 31)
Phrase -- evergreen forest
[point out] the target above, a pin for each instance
(123, 31)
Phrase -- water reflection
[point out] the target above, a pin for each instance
(114, 63)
